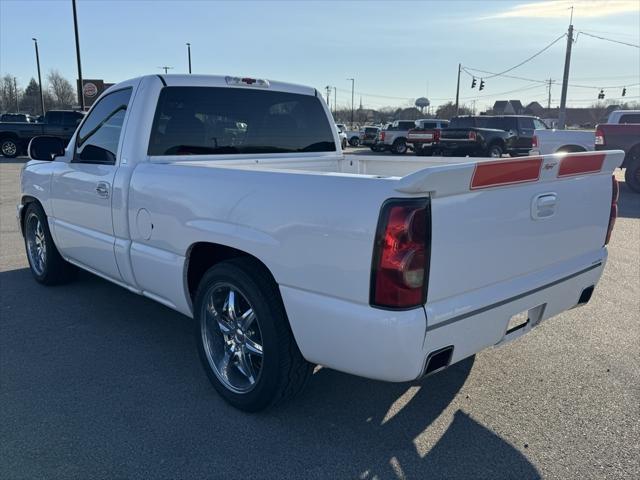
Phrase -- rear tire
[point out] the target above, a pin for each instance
(399, 147)
(354, 141)
(495, 151)
(9, 148)
(632, 173)
(46, 264)
(263, 365)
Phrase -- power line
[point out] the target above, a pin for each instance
(528, 59)
(607, 39)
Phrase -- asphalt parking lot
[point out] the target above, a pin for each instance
(96, 382)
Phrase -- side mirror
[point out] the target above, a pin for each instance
(46, 148)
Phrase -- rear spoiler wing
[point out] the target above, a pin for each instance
(479, 174)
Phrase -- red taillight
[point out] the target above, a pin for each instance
(613, 214)
(599, 136)
(400, 256)
(472, 136)
(534, 142)
(382, 136)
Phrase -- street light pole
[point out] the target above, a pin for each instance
(335, 101)
(35, 41)
(189, 54)
(75, 27)
(458, 89)
(352, 89)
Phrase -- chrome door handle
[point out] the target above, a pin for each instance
(102, 189)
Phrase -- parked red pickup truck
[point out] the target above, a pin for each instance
(625, 137)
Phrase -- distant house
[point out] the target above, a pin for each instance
(507, 107)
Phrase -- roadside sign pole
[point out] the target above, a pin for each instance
(75, 26)
(189, 54)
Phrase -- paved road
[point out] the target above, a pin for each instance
(96, 382)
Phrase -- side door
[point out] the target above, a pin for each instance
(55, 124)
(70, 122)
(81, 190)
(526, 127)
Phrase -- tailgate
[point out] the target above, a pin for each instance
(497, 223)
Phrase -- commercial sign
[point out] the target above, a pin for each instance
(92, 89)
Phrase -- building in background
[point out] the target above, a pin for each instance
(91, 90)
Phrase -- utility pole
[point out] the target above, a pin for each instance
(166, 69)
(562, 116)
(352, 90)
(35, 41)
(189, 54)
(458, 89)
(328, 89)
(80, 86)
(549, 99)
(335, 101)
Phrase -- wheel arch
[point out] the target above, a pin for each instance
(571, 148)
(25, 201)
(201, 256)
(632, 154)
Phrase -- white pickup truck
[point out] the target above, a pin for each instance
(229, 200)
(565, 141)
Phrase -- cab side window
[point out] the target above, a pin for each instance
(99, 135)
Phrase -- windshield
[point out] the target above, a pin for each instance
(214, 120)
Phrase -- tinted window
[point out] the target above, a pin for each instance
(100, 133)
(526, 122)
(371, 130)
(462, 122)
(406, 125)
(630, 118)
(55, 118)
(429, 125)
(72, 118)
(212, 120)
(539, 124)
(500, 123)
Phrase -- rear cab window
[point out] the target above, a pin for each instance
(630, 118)
(223, 120)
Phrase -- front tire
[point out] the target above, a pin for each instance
(354, 141)
(244, 339)
(46, 264)
(9, 148)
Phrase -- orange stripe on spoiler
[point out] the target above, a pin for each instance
(505, 172)
(579, 164)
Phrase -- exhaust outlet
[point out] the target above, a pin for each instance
(585, 296)
(438, 360)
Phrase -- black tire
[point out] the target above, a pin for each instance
(417, 149)
(354, 141)
(53, 269)
(495, 150)
(9, 147)
(344, 143)
(399, 146)
(283, 372)
(632, 173)
(376, 148)
(437, 152)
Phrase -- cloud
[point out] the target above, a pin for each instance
(560, 9)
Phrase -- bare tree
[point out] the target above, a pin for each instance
(63, 93)
(448, 110)
(9, 94)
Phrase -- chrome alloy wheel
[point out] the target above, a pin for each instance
(36, 244)
(232, 338)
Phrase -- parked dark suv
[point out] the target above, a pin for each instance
(489, 136)
(15, 136)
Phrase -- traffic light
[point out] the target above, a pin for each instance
(601, 95)
(473, 82)
(624, 91)
(481, 85)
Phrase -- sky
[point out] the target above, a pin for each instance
(395, 51)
